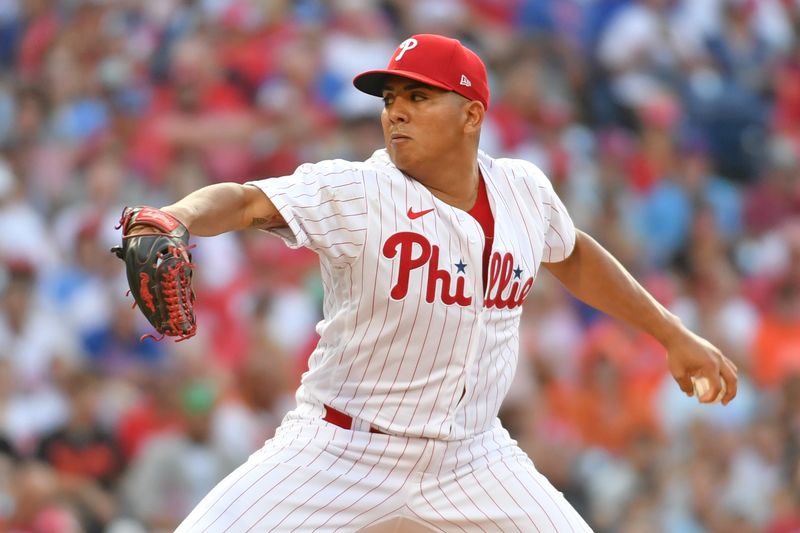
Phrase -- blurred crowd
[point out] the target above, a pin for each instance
(671, 128)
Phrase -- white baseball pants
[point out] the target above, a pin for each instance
(314, 476)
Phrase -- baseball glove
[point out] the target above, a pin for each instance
(159, 268)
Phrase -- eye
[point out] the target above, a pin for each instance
(387, 99)
(418, 97)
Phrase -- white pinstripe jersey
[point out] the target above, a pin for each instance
(410, 341)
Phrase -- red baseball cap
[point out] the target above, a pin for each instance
(435, 60)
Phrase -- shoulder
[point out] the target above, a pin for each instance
(333, 169)
(330, 169)
(380, 164)
(515, 170)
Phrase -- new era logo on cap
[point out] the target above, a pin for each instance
(434, 60)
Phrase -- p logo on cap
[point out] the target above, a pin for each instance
(405, 46)
(436, 60)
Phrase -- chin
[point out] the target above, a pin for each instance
(398, 161)
(402, 162)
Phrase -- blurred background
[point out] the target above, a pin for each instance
(671, 128)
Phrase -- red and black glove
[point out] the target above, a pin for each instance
(159, 268)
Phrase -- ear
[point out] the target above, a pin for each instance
(474, 113)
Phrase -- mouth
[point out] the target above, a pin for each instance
(399, 137)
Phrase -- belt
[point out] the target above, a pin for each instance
(344, 421)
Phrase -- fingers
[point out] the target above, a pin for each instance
(708, 390)
(700, 369)
(716, 385)
(686, 385)
(729, 373)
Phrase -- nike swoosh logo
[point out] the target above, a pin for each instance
(412, 215)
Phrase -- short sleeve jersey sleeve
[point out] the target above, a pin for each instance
(325, 208)
(560, 231)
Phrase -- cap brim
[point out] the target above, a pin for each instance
(373, 81)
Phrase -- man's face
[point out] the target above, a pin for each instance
(420, 122)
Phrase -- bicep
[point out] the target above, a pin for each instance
(259, 211)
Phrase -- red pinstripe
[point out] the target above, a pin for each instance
(474, 390)
(523, 215)
(352, 465)
(535, 203)
(520, 210)
(492, 376)
(405, 350)
(213, 505)
(433, 360)
(383, 323)
(427, 466)
(340, 228)
(315, 181)
(500, 483)
(548, 245)
(452, 504)
(440, 336)
(442, 516)
(327, 202)
(478, 481)
(416, 367)
(290, 219)
(383, 453)
(475, 504)
(316, 220)
(234, 484)
(307, 482)
(402, 485)
(560, 237)
(524, 486)
(358, 305)
(456, 390)
(343, 255)
(316, 193)
(287, 476)
(566, 519)
(314, 358)
(547, 493)
(360, 299)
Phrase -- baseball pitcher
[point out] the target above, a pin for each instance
(428, 250)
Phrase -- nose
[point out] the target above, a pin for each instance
(397, 111)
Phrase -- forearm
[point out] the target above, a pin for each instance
(595, 277)
(213, 209)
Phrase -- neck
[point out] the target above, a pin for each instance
(453, 180)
